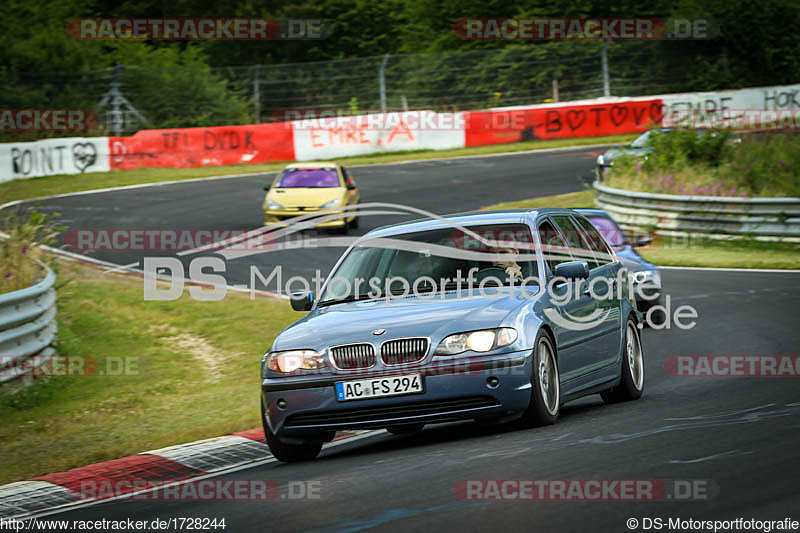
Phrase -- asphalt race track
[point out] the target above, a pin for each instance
(442, 187)
(737, 437)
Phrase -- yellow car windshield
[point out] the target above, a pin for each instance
(308, 177)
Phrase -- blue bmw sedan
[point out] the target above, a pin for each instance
(497, 315)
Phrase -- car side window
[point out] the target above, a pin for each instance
(554, 248)
(576, 240)
(596, 242)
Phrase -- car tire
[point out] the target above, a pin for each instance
(354, 223)
(545, 402)
(289, 453)
(405, 429)
(631, 383)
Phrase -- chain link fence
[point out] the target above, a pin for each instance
(129, 98)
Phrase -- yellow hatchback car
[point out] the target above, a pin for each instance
(303, 188)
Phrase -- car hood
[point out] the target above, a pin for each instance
(407, 317)
(305, 197)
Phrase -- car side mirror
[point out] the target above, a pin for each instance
(266, 187)
(641, 240)
(302, 300)
(572, 270)
(351, 186)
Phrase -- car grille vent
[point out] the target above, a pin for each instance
(352, 356)
(404, 351)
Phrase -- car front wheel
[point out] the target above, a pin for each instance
(545, 400)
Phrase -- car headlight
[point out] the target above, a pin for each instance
(332, 203)
(292, 360)
(478, 341)
(600, 160)
(274, 205)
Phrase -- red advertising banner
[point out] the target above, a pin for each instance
(259, 143)
(201, 147)
(591, 120)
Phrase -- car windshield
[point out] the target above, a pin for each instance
(642, 140)
(308, 177)
(432, 261)
(609, 229)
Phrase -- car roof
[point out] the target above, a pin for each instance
(471, 218)
(313, 164)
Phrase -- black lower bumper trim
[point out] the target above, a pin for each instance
(358, 415)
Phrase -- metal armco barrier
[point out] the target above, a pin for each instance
(759, 218)
(27, 328)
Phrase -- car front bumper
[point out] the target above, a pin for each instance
(453, 390)
(277, 217)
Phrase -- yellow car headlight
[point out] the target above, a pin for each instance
(333, 203)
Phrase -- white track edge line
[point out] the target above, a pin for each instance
(126, 269)
(724, 269)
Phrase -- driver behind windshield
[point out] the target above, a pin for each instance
(507, 269)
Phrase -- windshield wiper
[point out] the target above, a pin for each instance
(353, 298)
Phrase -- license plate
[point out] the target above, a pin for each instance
(363, 389)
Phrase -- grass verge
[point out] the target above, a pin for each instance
(193, 372)
(680, 251)
(687, 162)
(572, 200)
(61, 184)
(698, 252)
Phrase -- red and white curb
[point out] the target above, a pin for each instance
(157, 468)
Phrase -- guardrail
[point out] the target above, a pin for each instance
(27, 328)
(712, 216)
